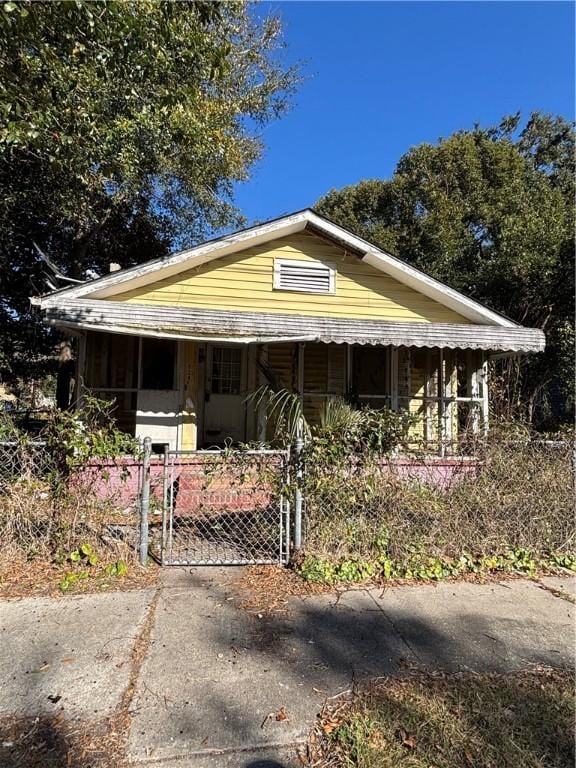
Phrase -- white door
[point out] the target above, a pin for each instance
(224, 406)
(158, 404)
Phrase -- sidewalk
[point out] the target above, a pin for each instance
(218, 686)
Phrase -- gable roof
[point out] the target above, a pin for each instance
(158, 269)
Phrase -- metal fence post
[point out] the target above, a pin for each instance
(574, 465)
(145, 500)
(298, 446)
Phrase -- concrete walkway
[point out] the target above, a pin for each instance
(218, 686)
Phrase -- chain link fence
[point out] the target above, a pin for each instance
(502, 494)
(234, 506)
(223, 507)
(48, 510)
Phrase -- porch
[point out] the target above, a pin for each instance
(188, 394)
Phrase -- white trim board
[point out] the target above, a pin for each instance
(153, 271)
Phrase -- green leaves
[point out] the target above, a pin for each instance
(119, 568)
(123, 127)
(422, 567)
(84, 553)
(489, 212)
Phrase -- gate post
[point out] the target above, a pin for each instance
(145, 500)
(298, 446)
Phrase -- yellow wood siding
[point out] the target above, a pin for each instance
(244, 282)
(190, 385)
(324, 374)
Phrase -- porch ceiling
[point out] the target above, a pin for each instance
(248, 327)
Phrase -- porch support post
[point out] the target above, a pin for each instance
(262, 415)
(80, 371)
(188, 365)
(300, 369)
(428, 432)
(441, 403)
(483, 375)
(250, 415)
(448, 394)
(349, 374)
(394, 378)
(472, 389)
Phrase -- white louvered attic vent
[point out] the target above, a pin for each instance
(304, 276)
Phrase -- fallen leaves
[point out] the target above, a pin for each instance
(280, 716)
(266, 589)
(20, 577)
(330, 725)
(406, 739)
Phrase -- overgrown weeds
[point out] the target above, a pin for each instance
(508, 506)
(53, 511)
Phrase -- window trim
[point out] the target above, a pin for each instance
(209, 362)
(279, 263)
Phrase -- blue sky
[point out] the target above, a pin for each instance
(384, 76)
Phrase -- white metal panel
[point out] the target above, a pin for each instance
(304, 277)
(157, 416)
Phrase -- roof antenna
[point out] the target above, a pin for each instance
(55, 271)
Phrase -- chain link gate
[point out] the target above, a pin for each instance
(224, 508)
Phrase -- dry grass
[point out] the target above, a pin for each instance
(44, 520)
(521, 498)
(451, 721)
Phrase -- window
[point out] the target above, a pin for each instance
(305, 276)
(158, 363)
(226, 370)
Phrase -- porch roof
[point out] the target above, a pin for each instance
(253, 328)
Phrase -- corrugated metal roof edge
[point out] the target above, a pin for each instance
(246, 327)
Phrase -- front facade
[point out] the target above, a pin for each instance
(300, 304)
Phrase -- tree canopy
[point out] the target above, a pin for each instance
(123, 126)
(490, 212)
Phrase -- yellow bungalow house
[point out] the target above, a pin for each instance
(299, 303)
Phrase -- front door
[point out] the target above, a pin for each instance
(224, 400)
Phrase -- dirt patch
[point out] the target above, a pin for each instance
(23, 577)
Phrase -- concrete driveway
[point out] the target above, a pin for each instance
(213, 685)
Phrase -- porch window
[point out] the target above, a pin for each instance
(226, 370)
(111, 373)
(158, 363)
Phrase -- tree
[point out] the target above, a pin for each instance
(123, 126)
(490, 212)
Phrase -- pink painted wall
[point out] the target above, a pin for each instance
(198, 482)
